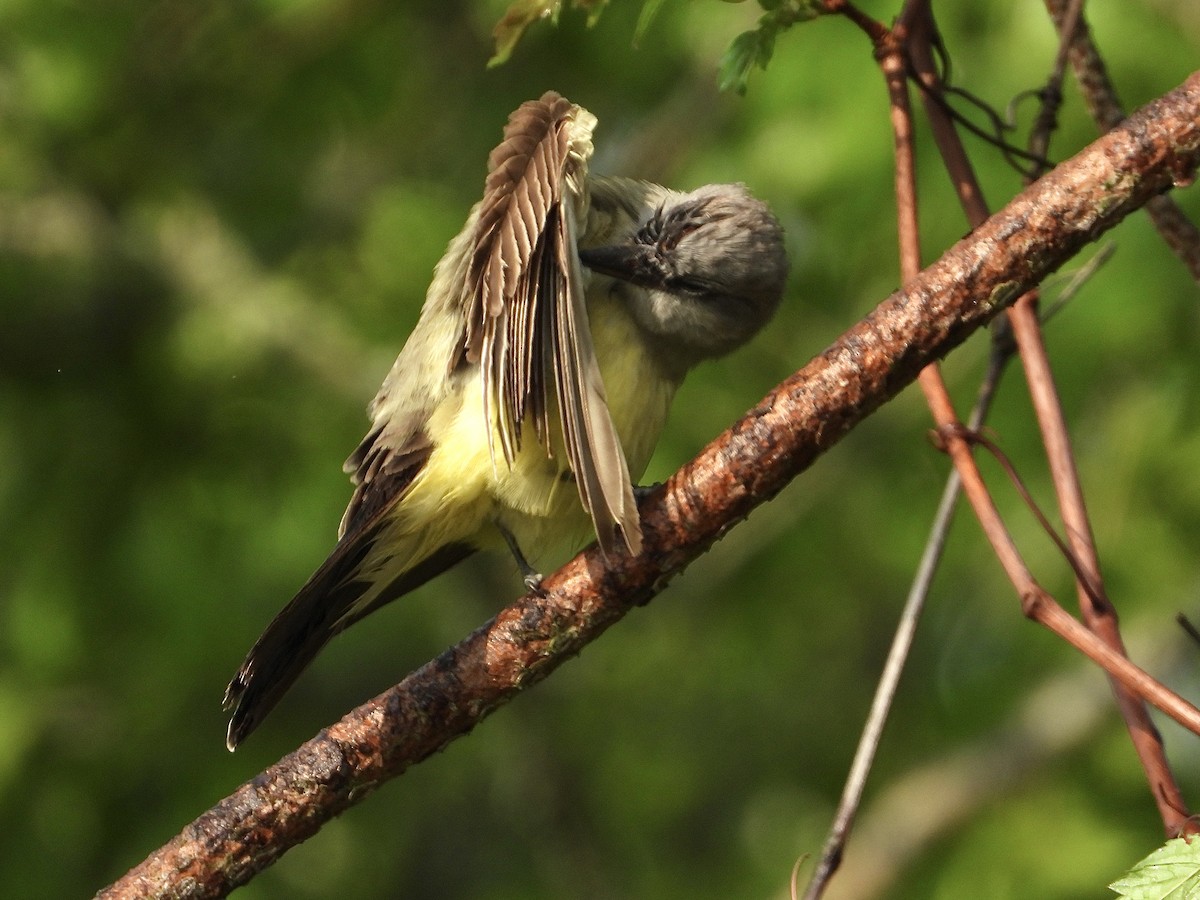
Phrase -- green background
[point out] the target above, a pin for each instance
(217, 223)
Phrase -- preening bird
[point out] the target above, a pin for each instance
(537, 379)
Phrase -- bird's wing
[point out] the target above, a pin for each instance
(525, 314)
(382, 471)
(397, 446)
(382, 468)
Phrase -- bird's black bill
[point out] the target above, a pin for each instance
(636, 263)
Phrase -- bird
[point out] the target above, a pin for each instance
(536, 382)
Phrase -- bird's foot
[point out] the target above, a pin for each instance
(529, 575)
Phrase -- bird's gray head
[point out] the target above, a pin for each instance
(713, 266)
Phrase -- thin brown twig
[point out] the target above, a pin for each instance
(875, 30)
(1051, 93)
(1081, 277)
(954, 156)
(1014, 155)
(1036, 603)
(1176, 229)
(1026, 330)
(1098, 612)
(1188, 628)
(998, 359)
(1014, 477)
(936, 86)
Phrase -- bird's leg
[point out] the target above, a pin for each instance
(530, 575)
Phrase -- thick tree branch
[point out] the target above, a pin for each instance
(798, 421)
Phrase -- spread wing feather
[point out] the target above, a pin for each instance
(593, 447)
(525, 314)
(524, 174)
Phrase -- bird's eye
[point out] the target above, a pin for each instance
(695, 285)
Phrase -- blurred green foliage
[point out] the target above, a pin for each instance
(217, 223)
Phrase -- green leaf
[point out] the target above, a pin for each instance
(593, 7)
(1172, 872)
(519, 16)
(649, 10)
(754, 48)
(750, 48)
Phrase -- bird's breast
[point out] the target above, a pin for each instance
(537, 497)
(638, 390)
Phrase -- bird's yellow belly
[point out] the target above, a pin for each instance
(538, 501)
(464, 490)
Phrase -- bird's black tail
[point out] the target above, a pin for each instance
(322, 608)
